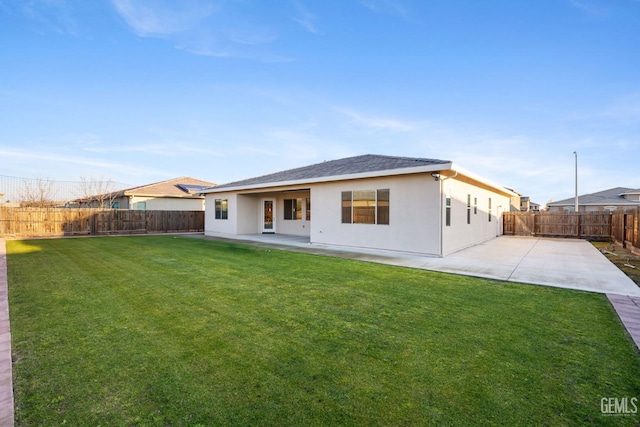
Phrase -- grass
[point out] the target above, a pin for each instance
(622, 258)
(177, 331)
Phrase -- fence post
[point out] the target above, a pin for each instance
(611, 227)
(636, 236)
(579, 223)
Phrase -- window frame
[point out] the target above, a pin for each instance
(447, 211)
(221, 209)
(371, 207)
(347, 208)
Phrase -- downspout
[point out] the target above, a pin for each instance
(441, 178)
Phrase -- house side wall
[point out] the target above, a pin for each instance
(414, 215)
(226, 226)
(301, 227)
(123, 202)
(461, 234)
(167, 203)
(247, 211)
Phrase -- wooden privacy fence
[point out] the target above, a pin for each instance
(625, 229)
(49, 222)
(587, 225)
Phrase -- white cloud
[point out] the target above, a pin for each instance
(41, 159)
(163, 150)
(391, 7)
(305, 18)
(162, 17)
(376, 123)
(625, 109)
(205, 27)
(50, 15)
(589, 7)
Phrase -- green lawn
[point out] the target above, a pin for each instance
(179, 331)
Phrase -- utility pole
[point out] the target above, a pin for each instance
(575, 153)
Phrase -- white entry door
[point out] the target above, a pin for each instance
(268, 215)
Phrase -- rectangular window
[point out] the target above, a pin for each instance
(289, 208)
(222, 208)
(383, 207)
(141, 206)
(489, 209)
(115, 205)
(475, 206)
(293, 209)
(308, 209)
(447, 217)
(346, 207)
(468, 208)
(364, 207)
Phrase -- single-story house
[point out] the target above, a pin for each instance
(418, 205)
(602, 201)
(178, 194)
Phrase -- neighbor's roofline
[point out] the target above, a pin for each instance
(166, 196)
(447, 166)
(596, 203)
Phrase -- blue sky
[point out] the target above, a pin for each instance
(139, 91)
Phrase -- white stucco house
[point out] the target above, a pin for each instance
(417, 205)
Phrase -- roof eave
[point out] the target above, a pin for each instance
(485, 182)
(332, 178)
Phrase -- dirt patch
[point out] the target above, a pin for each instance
(622, 258)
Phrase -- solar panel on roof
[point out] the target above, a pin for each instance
(192, 188)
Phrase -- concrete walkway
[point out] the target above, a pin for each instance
(6, 380)
(628, 309)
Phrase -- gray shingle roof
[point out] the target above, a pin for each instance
(349, 166)
(612, 196)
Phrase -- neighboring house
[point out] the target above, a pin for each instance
(179, 194)
(515, 200)
(424, 206)
(526, 205)
(602, 201)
